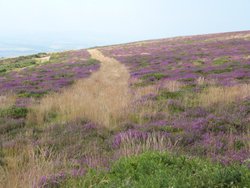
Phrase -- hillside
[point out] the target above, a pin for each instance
(161, 113)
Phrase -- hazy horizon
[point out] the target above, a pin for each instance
(29, 26)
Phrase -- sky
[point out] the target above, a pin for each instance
(35, 25)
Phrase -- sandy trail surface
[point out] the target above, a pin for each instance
(108, 87)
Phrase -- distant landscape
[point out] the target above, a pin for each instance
(171, 112)
(15, 49)
(26, 44)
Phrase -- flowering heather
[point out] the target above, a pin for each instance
(56, 179)
(62, 70)
(221, 57)
(51, 181)
(187, 95)
(130, 134)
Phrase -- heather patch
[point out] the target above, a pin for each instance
(176, 59)
(60, 71)
(9, 127)
(186, 96)
(95, 99)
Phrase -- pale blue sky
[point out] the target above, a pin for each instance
(84, 23)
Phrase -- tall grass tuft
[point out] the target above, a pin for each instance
(134, 143)
(223, 95)
(7, 101)
(26, 166)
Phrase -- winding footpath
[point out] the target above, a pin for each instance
(108, 87)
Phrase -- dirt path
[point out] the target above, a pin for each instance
(112, 73)
(101, 98)
(109, 87)
(111, 80)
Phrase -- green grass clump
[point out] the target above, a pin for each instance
(92, 62)
(2, 162)
(156, 76)
(3, 70)
(14, 112)
(32, 94)
(155, 169)
(166, 128)
(220, 71)
(9, 66)
(143, 63)
(198, 62)
(169, 95)
(221, 60)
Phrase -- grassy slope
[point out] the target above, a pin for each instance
(164, 170)
(177, 106)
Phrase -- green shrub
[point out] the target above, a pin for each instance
(166, 128)
(143, 63)
(238, 144)
(92, 62)
(198, 62)
(156, 76)
(221, 60)
(220, 71)
(40, 55)
(155, 169)
(187, 79)
(2, 70)
(169, 95)
(14, 112)
(11, 65)
(32, 94)
(2, 162)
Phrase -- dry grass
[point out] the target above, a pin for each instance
(25, 167)
(102, 98)
(223, 95)
(7, 101)
(140, 92)
(153, 142)
(203, 81)
(94, 158)
(141, 112)
(200, 81)
(143, 105)
(172, 86)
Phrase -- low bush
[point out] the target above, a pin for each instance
(221, 60)
(169, 95)
(14, 112)
(92, 62)
(153, 76)
(164, 170)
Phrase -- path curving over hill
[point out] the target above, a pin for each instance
(111, 74)
(109, 86)
(102, 98)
